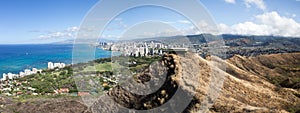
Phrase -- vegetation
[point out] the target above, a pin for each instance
(94, 77)
(50, 80)
(288, 78)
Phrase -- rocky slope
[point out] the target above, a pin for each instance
(38, 105)
(243, 86)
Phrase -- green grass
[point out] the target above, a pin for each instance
(104, 67)
(29, 98)
(99, 67)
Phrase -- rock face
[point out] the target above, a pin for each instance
(242, 88)
(122, 99)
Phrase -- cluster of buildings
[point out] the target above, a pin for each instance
(140, 48)
(11, 87)
(62, 91)
(66, 91)
(52, 65)
(14, 88)
(26, 72)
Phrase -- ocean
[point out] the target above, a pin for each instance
(16, 58)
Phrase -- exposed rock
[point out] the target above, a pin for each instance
(244, 88)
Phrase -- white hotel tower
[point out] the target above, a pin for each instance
(56, 65)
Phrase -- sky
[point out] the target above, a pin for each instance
(46, 21)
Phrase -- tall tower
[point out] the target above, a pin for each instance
(146, 49)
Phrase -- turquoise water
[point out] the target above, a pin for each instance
(16, 58)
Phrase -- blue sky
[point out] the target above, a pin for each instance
(44, 21)
(22, 21)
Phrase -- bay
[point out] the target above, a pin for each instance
(16, 58)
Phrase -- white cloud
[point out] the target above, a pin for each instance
(250, 28)
(270, 23)
(72, 29)
(249, 3)
(205, 27)
(230, 1)
(68, 33)
(258, 3)
(184, 21)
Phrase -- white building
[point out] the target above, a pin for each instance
(62, 65)
(34, 70)
(27, 72)
(136, 53)
(50, 65)
(10, 75)
(59, 65)
(55, 65)
(4, 77)
(22, 74)
(142, 51)
(160, 52)
(146, 51)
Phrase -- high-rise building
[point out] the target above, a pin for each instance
(22, 74)
(4, 77)
(146, 51)
(142, 51)
(50, 65)
(10, 75)
(160, 52)
(34, 70)
(27, 72)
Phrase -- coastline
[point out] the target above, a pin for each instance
(27, 72)
(19, 57)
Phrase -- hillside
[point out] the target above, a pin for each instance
(277, 68)
(246, 88)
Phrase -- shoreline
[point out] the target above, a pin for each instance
(27, 56)
(10, 76)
